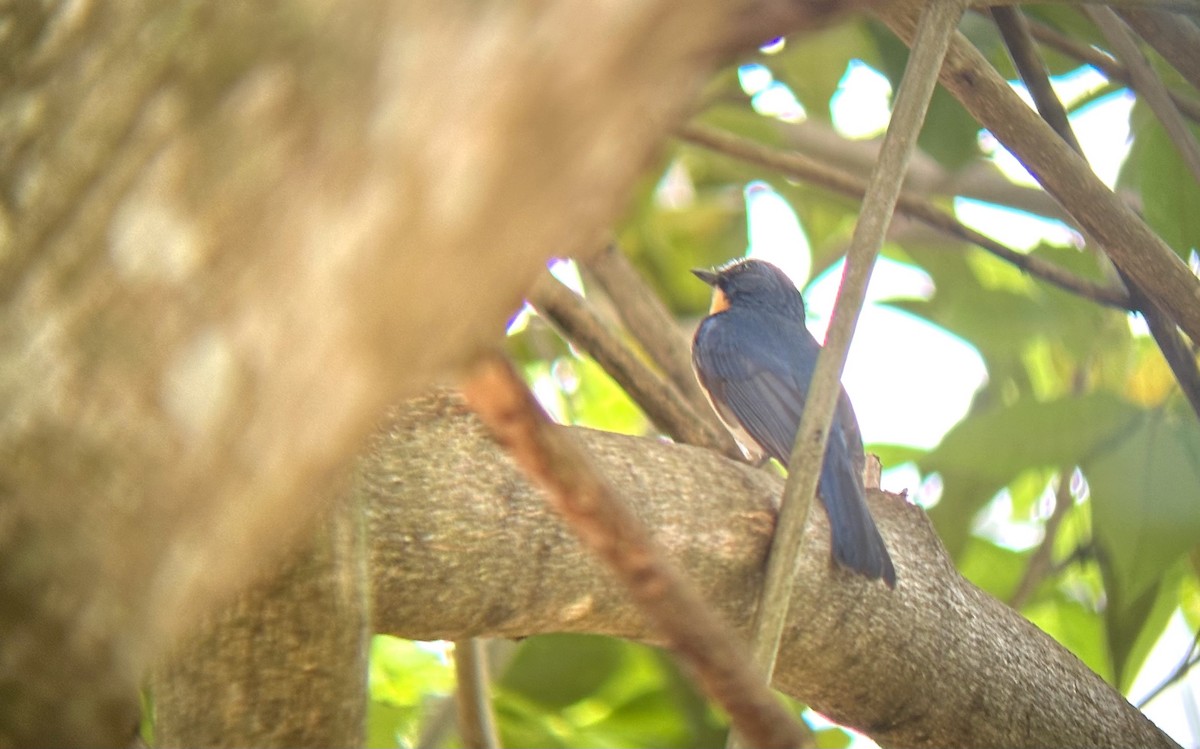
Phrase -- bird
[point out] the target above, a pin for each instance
(755, 359)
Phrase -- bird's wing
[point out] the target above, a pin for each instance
(765, 403)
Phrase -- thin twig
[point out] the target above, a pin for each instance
(439, 718)
(650, 322)
(1033, 72)
(553, 461)
(802, 167)
(1190, 659)
(476, 721)
(1177, 38)
(1014, 29)
(1041, 561)
(979, 180)
(1148, 85)
(659, 399)
(935, 29)
(1052, 37)
(1124, 236)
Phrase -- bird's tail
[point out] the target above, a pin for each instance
(856, 542)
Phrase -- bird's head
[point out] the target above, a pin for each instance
(752, 284)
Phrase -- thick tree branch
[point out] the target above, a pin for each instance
(285, 663)
(582, 495)
(463, 546)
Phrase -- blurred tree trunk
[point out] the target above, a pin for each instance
(232, 232)
(286, 664)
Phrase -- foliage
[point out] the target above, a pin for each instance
(1072, 395)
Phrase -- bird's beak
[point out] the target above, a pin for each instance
(707, 276)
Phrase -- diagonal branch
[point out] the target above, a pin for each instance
(1041, 561)
(1132, 246)
(1148, 85)
(580, 494)
(660, 400)
(1102, 62)
(650, 322)
(1037, 80)
(1014, 28)
(1176, 37)
(802, 167)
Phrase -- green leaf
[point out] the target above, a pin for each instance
(1076, 627)
(626, 695)
(1170, 195)
(832, 738)
(558, 670)
(402, 672)
(993, 568)
(1144, 500)
(597, 401)
(985, 452)
(1134, 626)
(402, 676)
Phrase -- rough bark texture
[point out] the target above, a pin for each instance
(461, 546)
(286, 664)
(233, 232)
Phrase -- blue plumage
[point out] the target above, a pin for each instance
(755, 359)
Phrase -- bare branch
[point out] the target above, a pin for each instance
(1148, 85)
(476, 721)
(1102, 62)
(1175, 36)
(934, 663)
(979, 180)
(1014, 28)
(1132, 246)
(801, 167)
(581, 495)
(660, 399)
(1041, 561)
(1037, 80)
(650, 322)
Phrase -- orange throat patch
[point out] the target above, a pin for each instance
(720, 302)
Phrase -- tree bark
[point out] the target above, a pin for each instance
(286, 664)
(231, 234)
(461, 546)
